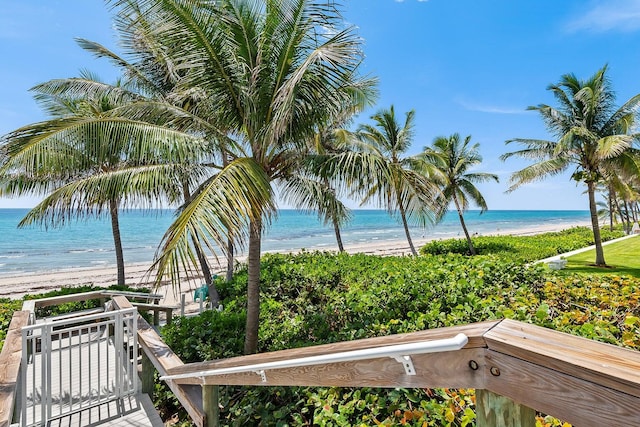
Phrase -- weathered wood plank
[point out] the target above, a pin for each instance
(10, 359)
(156, 308)
(566, 397)
(46, 302)
(493, 410)
(134, 295)
(29, 305)
(210, 402)
(449, 369)
(593, 361)
(474, 332)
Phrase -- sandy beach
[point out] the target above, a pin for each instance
(137, 274)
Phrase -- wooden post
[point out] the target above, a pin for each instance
(148, 385)
(210, 399)
(493, 410)
(156, 317)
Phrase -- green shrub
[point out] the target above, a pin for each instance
(7, 307)
(315, 298)
(522, 248)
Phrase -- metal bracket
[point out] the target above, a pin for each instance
(262, 374)
(407, 364)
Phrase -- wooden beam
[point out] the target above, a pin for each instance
(433, 370)
(210, 403)
(599, 363)
(474, 332)
(134, 295)
(493, 410)
(147, 376)
(566, 397)
(10, 360)
(84, 296)
(156, 308)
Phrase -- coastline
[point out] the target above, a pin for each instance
(16, 286)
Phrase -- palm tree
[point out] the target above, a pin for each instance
(89, 164)
(451, 160)
(270, 72)
(156, 76)
(590, 131)
(373, 164)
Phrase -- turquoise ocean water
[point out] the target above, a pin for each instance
(90, 244)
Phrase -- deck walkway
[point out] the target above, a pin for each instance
(131, 411)
(85, 373)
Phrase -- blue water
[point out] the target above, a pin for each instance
(90, 244)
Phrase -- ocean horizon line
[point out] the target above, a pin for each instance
(89, 242)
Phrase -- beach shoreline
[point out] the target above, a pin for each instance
(16, 286)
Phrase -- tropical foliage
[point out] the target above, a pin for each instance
(371, 165)
(315, 298)
(522, 248)
(88, 163)
(270, 73)
(451, 161)
(592, 135)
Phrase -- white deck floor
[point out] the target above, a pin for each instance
(84, 374)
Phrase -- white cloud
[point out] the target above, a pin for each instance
(608, 15)
(487, 108)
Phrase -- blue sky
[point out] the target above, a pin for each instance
(467, 66)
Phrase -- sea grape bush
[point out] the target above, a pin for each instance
(523, 248)
(315, 298)
(7, 307)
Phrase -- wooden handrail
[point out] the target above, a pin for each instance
(581, 381)
(10, 359)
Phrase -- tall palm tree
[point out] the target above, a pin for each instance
(372, 162)
(452, 160)
(155, 75)
(589, 131)
(270, 71)
(89, 164)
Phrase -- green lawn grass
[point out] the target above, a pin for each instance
(623, 258)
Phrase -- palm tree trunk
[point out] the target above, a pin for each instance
(610, 209)
(117, 241)
(336, 229)
(594, 224)
(253, 287)
(406, 228)
(230, 265)
(627, 227)
(472, 250)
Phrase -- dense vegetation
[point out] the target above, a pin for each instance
(314, 298)
(523, 248)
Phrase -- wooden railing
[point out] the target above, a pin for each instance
(10, 359)
(513, 365)
(515, 368)
(11, 355)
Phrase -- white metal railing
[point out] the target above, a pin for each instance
(400, 352)
(73, 364)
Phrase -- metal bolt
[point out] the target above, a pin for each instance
(495, 371)
(473, 365)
